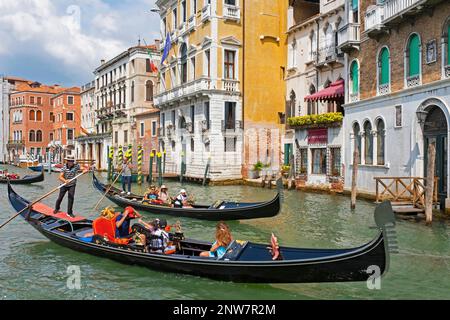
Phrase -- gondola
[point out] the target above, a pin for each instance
(220, 211)
(25, 180)
(243, 262)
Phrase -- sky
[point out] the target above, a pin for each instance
(63, 41)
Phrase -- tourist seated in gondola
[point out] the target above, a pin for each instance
(164, 195)
(223, 240)
(155, 236)
(182, 200)
(152, 196)
(123, 222)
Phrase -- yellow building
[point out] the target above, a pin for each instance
(222, 86)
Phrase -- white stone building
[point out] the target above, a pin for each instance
(5, 89)
(315, 86)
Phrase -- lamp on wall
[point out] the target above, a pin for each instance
(422, 115)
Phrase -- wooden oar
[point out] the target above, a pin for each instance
(107, 191)
(41, 198)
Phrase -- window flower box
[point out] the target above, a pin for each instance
(333, 119)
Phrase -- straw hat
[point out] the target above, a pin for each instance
(69, 158)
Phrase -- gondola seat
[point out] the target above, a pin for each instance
(106, 228)
(47, 211)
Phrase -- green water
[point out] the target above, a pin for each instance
(33, 268)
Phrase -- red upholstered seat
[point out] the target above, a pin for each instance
(46, 210)
(107, 229)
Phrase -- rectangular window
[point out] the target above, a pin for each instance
(230, 2)
(207, 115)
(163, 124)
(142, 130)
(125, 136)
(69, 116)
(304, 161)
(175, 18)
(398, 116)
(184, 12)
(31, 100)
(39, 101)
(193, 117)
(335, 162)
(208, 63)
(319, 161)
(148, 67)
(230, 144)
(116, 136)
(69, 134)
(193, 68)
(230, 115)
(70, 100)
(229, 64)
(173, 119)
(154, 133)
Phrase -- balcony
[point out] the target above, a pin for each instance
(413, 81)
(230, 85)
(206, 13)
(349, 37)
(70, 142)
(373, 21)
(15, 144)
(327, 57)
(447, 71)
(183, 28)
(231, 127)
(384, 89)
(354, 97)
(183, 91)
(231, 12)
(205, 126)
(191, 24)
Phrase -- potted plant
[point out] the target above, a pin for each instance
(285, 170)
(255, 173)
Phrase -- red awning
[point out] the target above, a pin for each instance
(333, 92)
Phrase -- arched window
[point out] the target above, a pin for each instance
(312, 104)
(32, 115)
(313, 48)
(293, 54)
(381, 132)
(32, 136)
(183, 51)
(357, 140)
(292, 101)
(329, 37)
(446, 47)
(368, 143)
(39, 136)
(354, 81)
(149, 91)
(412, 63)
(39, 115)
(384, 69)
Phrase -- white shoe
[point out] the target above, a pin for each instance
(123, 192)
(129, 193)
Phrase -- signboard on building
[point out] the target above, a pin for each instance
(318, 136)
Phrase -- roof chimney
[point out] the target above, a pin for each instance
(157, 43)
(103, 61)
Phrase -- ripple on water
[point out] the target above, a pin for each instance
(33, 268)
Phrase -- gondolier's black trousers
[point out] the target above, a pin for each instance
(62, 193)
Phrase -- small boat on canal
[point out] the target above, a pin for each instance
(243, 261)
(55, 167)
(220, 211)
(14, 179)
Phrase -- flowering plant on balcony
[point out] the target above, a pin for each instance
(313, 120)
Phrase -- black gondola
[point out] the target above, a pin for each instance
(223, 211)
(243, 261)
(25, 180)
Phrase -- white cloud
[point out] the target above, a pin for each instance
(73, 33)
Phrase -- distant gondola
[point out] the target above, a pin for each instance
(243, 262)
(221, 211)
(25, 180)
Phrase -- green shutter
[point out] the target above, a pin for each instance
(414, 55)
(448, 45)
(384, 60)
(354, 5)
(355, 77)
(287, 153)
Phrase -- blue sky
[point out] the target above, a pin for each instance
(63, 41)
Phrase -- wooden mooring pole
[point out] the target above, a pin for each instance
(354, 179)
(429, 188)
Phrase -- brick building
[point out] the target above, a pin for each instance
(397, 68)
(146, 135)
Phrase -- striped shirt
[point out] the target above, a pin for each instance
(69, 174)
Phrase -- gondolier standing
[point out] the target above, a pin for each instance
(68, 172)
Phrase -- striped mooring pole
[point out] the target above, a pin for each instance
(150, 170)
(140, 157)
(120, 156)
(160, 174)
(110, 160)
(164, 161)
(129, 153)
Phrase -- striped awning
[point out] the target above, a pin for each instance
(335, 91)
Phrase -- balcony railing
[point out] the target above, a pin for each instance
(326, 55)
(349, 36)
(191, 23)
(206, 12)
(373, 18)
(189, 88)
(15, 143)
(205, 126)
(413, 81)
(384, 89)
(354, 97)
(231, 12)
(398, 7)
(231, 85)
(447, 71)
(231, 126)
(183, 28)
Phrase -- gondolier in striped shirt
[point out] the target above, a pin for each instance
(68, 172)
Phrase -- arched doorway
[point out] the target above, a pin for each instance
(435, 131)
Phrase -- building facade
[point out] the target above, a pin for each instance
(398, 96)
(5, 90)
(146, 136)
(208, 96)
(66, 120)
(315, 93)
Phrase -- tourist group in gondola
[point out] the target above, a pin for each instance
(129, 237)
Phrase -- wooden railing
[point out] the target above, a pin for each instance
(408, 190)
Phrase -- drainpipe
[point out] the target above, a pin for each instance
(317, 54)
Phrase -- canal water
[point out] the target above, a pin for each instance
(33, 268)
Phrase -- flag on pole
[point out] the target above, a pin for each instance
(167, 48)
(153, 67)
